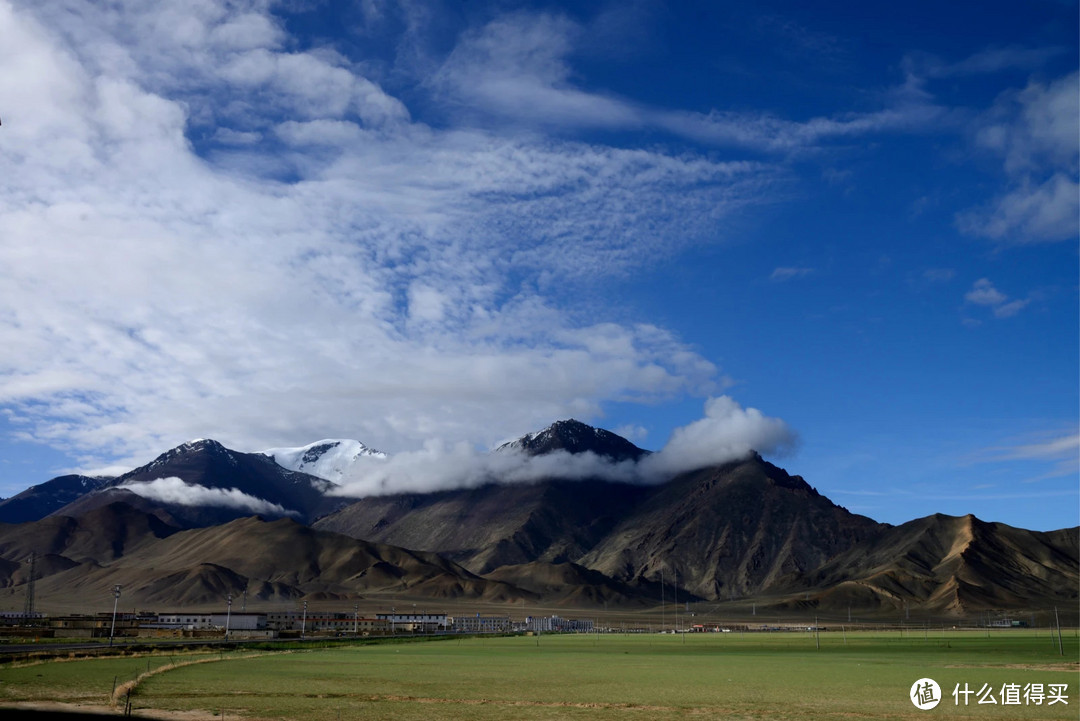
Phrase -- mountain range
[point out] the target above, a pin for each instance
(201, 521)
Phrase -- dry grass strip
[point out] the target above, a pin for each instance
(129, 687)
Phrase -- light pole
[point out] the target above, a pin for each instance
(116, 600)
(675, 590)
(228, 616)
(303, 622)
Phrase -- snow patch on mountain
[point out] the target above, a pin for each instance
(329, 459)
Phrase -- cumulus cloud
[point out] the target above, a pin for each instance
(174, 490)
(727, 433)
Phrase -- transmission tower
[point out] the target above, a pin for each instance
(28, 608)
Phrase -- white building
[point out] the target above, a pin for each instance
(419, 622)
(187, 621)
(480, 624)
(239, 621)
(557, 623)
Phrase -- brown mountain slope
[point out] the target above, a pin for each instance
(275, 560)
(566, 584)
(957, 565)
(494, 525)
(733, 530)
(101, 535)
(730, 530)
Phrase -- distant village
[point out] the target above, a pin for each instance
(275, 624)
(305, 624)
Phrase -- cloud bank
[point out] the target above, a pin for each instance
(175, 491)
(209, 231)
(213, 227)
(726, 433)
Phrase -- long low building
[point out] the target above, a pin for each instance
(418, 622)
(481, 624)
(201, 621)
(558, 624)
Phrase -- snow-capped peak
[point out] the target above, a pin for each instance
(328, 459)
(573, 436)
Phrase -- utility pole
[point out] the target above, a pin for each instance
(303, 622)
(675, 590)
(28, 607)
(116, 600)
(1057, 622)
(228, 616)
(356, 619)
(663, 608)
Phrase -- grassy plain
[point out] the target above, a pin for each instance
(741, 676)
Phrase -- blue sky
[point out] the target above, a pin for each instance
(440, 225)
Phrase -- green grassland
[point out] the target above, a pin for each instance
(742, 676)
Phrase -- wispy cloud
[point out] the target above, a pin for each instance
(987, 61)
(1036, 133)
(938, 275)
(515, 69)
(1048, 455)
(175, 491)
(789, 272)
(984, 293)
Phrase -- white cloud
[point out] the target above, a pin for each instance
(984, 293)
(727, 433)
(235, 137)
(515, 69)
(1036, 132)
(1047, 455)
(1030, 213)
(990, 60)
(1008, 310)
(321, 265)
(1058, 448)
(174, 490)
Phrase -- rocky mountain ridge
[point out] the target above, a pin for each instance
(740, 530)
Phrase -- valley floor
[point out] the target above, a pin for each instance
(795, 675)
